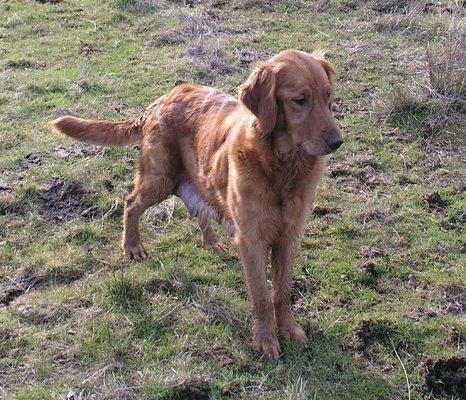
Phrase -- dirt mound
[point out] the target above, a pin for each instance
(65, 200)
(78, 150)
(189, 389)
(434, 201)
(19, 285)
(454, 300)
(370, 332)
(445, 377)
(387, 7)
(36, 158)
(324, 210)
(249, 56)
(156, 285)
(32, 159)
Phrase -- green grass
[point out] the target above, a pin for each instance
(379, 280)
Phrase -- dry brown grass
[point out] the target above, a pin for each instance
(138, 6)
(439, 100)
(446, 67)
(405, 21)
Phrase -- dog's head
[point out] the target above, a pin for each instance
(293, 92)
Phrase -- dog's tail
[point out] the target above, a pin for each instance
(99, 132)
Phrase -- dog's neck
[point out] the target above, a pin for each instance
(282, 145)
(286, 156)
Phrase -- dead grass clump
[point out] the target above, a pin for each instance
(207, 64)
(199, 26)
(248, 57)
(405, 21)
(440, 99)
(193, 29)
(137, 6)
(52, 313)
(161, 215)
(390, 6)
(446, 69)
(271, 6)
(349, 5)
(169, 37)
(210, 58)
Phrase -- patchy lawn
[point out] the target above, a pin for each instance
(380, 279)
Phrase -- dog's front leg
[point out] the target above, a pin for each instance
(254, 259)
(283, 259)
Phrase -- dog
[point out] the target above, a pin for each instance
(252, 162)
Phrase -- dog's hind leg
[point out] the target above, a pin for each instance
(152, 185)
(209, 239)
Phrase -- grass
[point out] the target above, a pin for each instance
(379, 280)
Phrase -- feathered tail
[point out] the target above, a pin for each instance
(99, 132)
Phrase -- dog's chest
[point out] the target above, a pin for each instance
(287, 180)
(293, 186)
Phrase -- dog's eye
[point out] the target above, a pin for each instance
(302, 101)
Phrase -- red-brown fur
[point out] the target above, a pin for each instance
(255, 161)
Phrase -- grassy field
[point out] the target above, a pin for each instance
(380, 278)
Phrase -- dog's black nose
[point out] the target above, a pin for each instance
(334, 141)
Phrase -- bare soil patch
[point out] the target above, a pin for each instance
(156, 285)
(435, 202)
(390, 6)
(370, 332)
(20, 284)
(445, 377)
(78, 150)
(65, 200)
(454, 300)
(189, 389)
(31, 160)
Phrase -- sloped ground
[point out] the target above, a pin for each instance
(379, 283)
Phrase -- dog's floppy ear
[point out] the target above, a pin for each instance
(258, 95)
(328, 67)
(329, 70)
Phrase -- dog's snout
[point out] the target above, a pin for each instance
(334, 141)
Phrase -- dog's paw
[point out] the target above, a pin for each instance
(135, 252)
(267, 345)
(217, 247)
(292, 331)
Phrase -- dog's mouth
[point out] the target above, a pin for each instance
(317, 151)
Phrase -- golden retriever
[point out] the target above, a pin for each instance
(253, 163)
